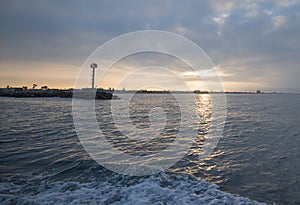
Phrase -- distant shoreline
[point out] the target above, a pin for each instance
(68, 93)
(194, 92)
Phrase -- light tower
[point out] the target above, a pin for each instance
(93, 66)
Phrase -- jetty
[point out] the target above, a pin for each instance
(84, 93)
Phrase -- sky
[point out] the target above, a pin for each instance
(254, 44)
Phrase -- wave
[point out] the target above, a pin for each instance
(95, 185)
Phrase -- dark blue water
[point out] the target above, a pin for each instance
(43, 161)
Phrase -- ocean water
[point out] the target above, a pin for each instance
(258, 157)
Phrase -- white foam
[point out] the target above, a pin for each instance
(163, 188)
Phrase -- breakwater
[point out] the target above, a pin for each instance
(87, 93)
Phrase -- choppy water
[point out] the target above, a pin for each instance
(42, 160)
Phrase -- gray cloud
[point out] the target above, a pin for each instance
(253, 41)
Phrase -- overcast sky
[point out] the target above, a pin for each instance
(255, 44)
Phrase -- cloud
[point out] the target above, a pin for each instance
(256, 42)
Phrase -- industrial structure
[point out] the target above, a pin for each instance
(93, 66)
